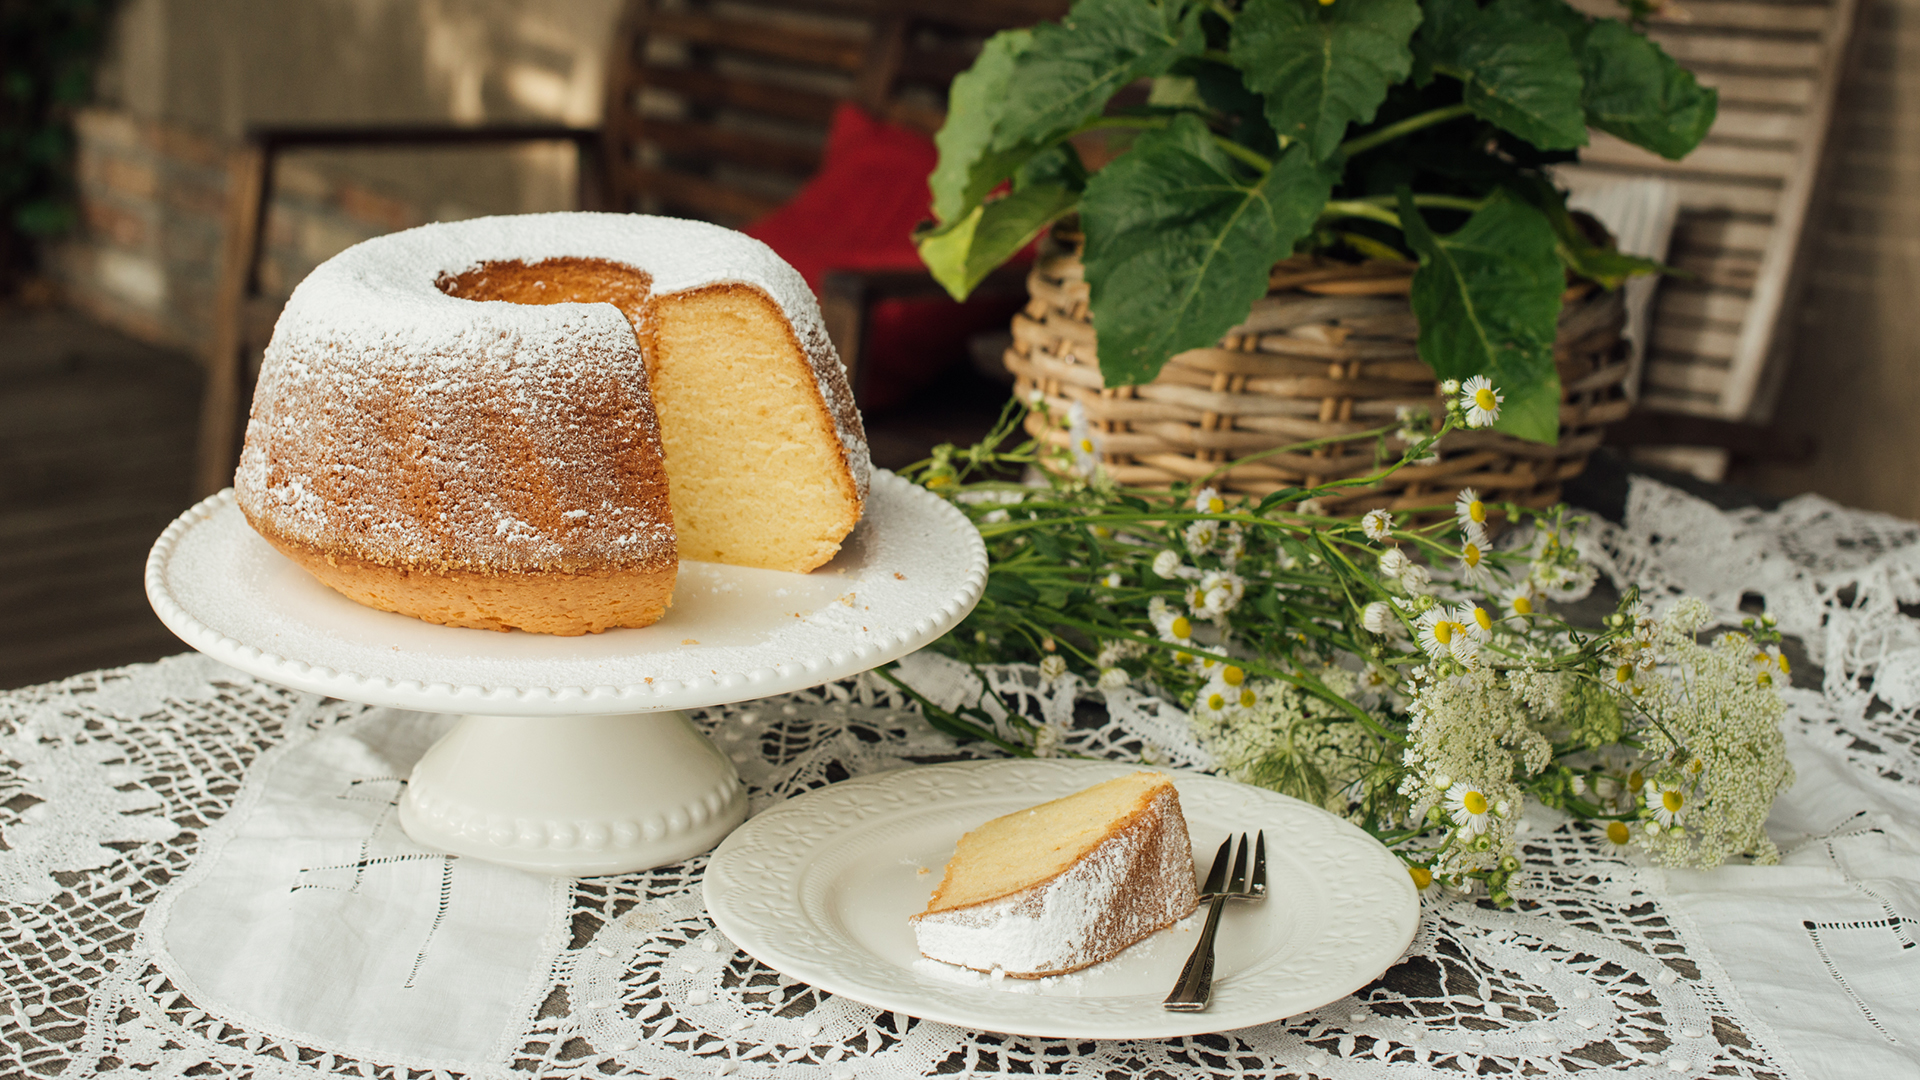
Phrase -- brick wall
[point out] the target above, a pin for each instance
(146, 259)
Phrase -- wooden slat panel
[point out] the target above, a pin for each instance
(1703, 340)
(1739, 123)
(708, 88)
(1709, 158)
(1694, 193)
(1721, 270)
(782, 42)
(1699, 378)
(1796, 90)
(738, 147)
(1713, 234)
(1700, 15)
(1682, 299)
(1695, 49)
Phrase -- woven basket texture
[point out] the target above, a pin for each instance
(1328, 352)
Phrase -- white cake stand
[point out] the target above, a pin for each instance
(571, 756)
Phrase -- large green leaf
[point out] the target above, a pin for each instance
(1636, 91)
(1519, 71)
(1488, 301)
(1180, 237)
(1323, 66)
(962, 252)
(1073, 67)
(968, 167)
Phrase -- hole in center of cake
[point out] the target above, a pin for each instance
(554, 281)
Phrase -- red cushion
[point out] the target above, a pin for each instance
(858, 213)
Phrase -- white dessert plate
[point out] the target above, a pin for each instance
(820, 888)
(911, 570)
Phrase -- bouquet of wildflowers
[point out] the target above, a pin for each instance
(1409, 677)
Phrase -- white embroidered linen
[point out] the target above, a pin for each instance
(202, 877)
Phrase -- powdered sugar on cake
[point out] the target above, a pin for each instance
(1129, 886)
(374, 317)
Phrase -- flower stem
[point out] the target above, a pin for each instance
(1360, 144)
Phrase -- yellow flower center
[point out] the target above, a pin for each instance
(1443, 632)
(1485, 620)
(1617, 831)
(1086, 446)
(1216, 703)
(1472, 555)
(1246, 699)
(1422, 877)
(1475, 803)
(1484, 398)
(1785, 668)
(1181, 628)
(1477, 510)
(1233, 676)
(1522, 605)
(1672, 800)
(1696, 766)
(1635, 781)
(1765, 679)
(1215, 505)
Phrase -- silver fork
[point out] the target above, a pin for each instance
(1193, 991)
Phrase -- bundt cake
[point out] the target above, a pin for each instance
(525, 422)
(1065, 884)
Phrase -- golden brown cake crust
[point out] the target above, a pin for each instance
(564, 604)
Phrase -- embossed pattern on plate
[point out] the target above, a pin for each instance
(909, 572)
(820, 888)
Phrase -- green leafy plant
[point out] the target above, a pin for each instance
(1399, 129)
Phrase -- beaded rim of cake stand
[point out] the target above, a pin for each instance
(660, 693)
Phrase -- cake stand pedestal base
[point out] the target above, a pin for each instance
(575, 795)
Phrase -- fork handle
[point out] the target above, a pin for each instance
(1193, 991)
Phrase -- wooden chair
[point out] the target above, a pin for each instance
(714, 110)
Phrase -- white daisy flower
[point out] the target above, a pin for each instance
(1669, 805)
(1167, 564)
(1450, 387)
(1393, 562)
(1480, 401)
(1208, 501)
(1519, 601)
(1081, 438)
(1468, 508)
(1113, 580)
(1468, 807)
(1377, 524)
(1220, 592)
(1473, 567)
(1114, 678)
(1416, 580)
(1200, 536)
(1378, 618)
(1439, 629)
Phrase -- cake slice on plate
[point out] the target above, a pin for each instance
(1065, 884)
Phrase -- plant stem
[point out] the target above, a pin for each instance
(1360, 144)
(1438, 202)
(1361, 209)
(1241, 153)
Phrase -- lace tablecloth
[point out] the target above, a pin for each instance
(203, 876)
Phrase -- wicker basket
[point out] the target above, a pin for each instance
(1329, 351)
